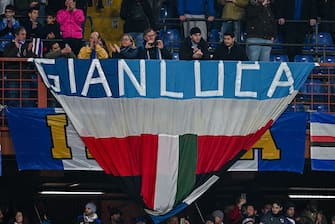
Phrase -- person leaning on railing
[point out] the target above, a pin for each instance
(127, 49)
(57, 52)
(95, 49)
(15, 79)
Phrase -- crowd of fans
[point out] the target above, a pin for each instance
(261, 20)
(239, 213)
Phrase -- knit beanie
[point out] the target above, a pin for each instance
(91, 206)
(218, 213)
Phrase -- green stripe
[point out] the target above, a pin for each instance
(188, 156)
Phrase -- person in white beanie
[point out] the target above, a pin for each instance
(218, 216)
(89, 215)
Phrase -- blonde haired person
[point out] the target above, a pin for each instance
(95, 49)
(127, 49)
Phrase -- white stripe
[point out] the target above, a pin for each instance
(322, 129)
(246, 165)
(167, 172)
(121, 117)
(201, 189)
(79, 159)
(192, 197)
(324, 153)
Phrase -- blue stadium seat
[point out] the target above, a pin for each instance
(170, 37)
(297, 107)
(320, 107)
(279, 57)
(303, 58)
(214, 38)
(327, 59)
(175, 56)
(323, 38)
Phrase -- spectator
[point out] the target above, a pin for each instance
(320, 218)
(309, 214)
(195, 9)
(218, 216)
(194, 47)
(19, 218)
(233, 12)
(332, 219)
(33, 27)
(3, 215)
(116, 216)
(51, 29)
(153, 48)
(251, 213)
(209, 219)
(290, 213)
(235, 216)
(71, 21)
(138, 17)
(230, 50)
(296, 32)
(275, 216)
(261, 30)
(89, 215)
(7, 26)
(127, 50)
(95, 49)
(19, 48)
(266, 208)
(57, 52)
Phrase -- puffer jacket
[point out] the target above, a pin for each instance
(71, 23)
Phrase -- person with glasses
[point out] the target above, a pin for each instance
(7, 26)
(153, 47)
(127, 49)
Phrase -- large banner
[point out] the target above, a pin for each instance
(43, 136)
(281, 148)
(168, 127)
(323, 141)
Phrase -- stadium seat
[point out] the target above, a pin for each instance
(175, 56)
(323, 38)
(170, 37)
(320, 107)
(303, 58)
(214, 38)
(327, 59)
(279, 57)
(295, 107)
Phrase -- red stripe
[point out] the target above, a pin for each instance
(322, 139)
(130, 156)
(216, 151)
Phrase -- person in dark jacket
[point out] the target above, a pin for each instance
(127, 50)
(275, 216)
(296, 32)
(19, 48)
(153, 48)
(137, 16)
(33, 27)
(230, 50)
(194, 47)
(261, 30)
